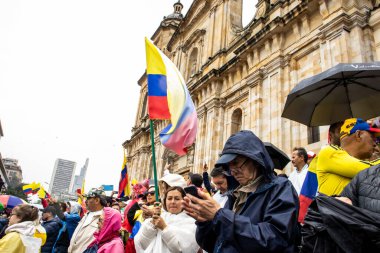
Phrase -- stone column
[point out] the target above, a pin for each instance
(374, 22)
(201, 137)
(213, 132)
(210, 37)
(255, 100)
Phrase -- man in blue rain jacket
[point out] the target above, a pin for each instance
(260, 215)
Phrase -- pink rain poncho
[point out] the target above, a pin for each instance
(108, 238)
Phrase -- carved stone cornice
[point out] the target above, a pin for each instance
(276, 63)
(145, 149)
(214, 102)
(262, 9)
(201, 110)
(248, 41)
(256, 77)
(198, 34)
(343, 22)
(236, 96)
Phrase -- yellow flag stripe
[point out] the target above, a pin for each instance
(154, 62)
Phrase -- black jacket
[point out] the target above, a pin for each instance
(332, 225)
(268, 220)
(52, 228)
(364, 189)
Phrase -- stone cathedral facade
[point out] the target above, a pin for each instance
(239, 77)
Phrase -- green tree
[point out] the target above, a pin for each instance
(16, 191)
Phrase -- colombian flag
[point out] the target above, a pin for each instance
(168, 98)
(30, 188)
(124, 189)
(42, 194)
(309, 189)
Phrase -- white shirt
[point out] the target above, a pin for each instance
(88, 217)
(297, 178)
(220, 198)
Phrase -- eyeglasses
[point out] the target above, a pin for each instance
(151, 193)
(234, 162)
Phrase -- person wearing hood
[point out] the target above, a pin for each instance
(19, 236)
(72, 217)
(107, 238)
(262, 214)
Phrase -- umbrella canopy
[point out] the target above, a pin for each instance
(10, 201)
(279, 158)
(342, 92)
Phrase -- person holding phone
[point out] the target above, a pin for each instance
(169, 231)
(260, 215)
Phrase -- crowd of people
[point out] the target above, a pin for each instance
(241, 206)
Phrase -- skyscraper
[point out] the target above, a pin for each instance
(79, 179)
(62, 178)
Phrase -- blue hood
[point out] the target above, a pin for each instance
(247, 144)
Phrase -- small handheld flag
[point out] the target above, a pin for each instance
(30, 188)
(124, 189)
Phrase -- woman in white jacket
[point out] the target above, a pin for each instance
(173, 231)
(19, 236)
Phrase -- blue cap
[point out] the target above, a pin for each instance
(225, 159)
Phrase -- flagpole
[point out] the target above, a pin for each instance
(154, 160)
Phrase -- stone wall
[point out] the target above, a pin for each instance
(239, 77)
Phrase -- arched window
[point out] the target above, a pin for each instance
(236, 121)
(192, 67)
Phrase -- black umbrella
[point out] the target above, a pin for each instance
(279, 158)
(342, 92)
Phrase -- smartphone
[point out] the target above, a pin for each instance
(192, 190)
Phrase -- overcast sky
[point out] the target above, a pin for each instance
(68, 81)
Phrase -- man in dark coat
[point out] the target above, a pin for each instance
(260, 215)
(52, 225)
(364, 190)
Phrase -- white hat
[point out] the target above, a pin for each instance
(173, 180)
(310, 154)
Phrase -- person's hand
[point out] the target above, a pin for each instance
(205, 167)
(345, 200)
(189, 210)
(167, 166)
(200, 209)
(157, 208)
(52, 200)
(147, 212)
(159, 222)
